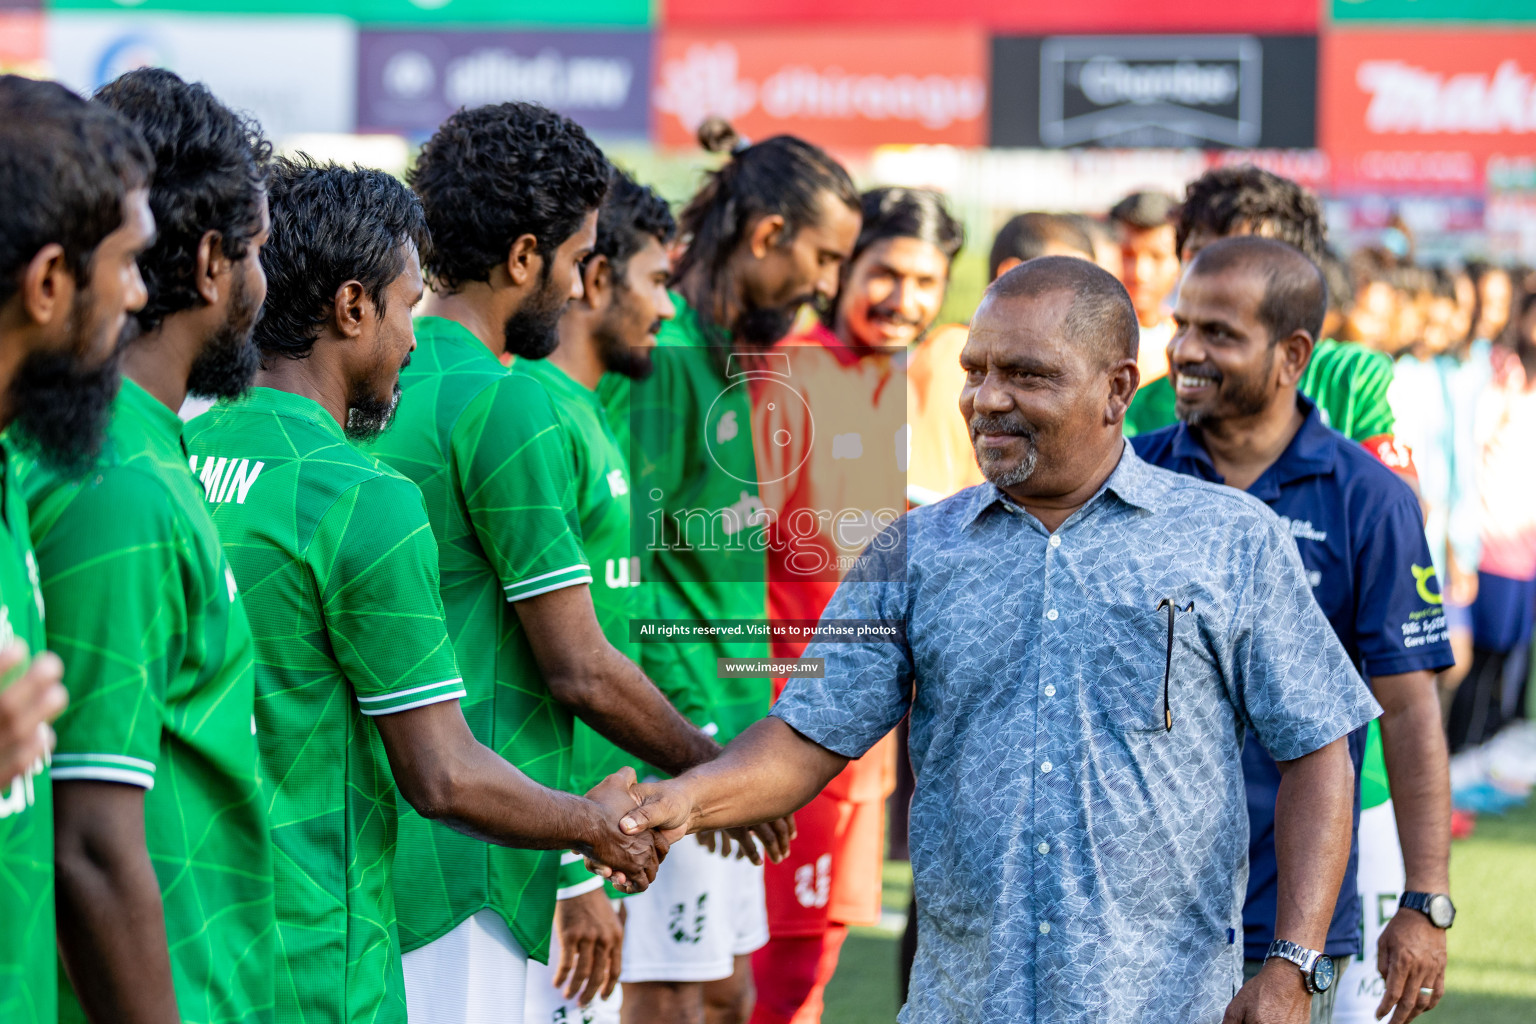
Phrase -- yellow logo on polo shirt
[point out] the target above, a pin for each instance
(1422, 574)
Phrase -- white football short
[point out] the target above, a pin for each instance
(548, 1005)
(701, 913)
(475, 974)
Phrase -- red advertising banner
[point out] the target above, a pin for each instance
(846, 89)
(1425, 109)
(21, 42)
(1022, 17)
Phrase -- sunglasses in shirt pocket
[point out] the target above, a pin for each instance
(1131, 677)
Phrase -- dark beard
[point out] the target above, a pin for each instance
(62, 409)
(1236, 398)
(227, 365)
(620, 357)
(533, 332)
(367, 417)
(765, 325)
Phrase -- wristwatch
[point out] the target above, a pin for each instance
(1316, 968)
(1436, 906)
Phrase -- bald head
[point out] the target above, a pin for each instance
(1295, 290)
(1100, 318)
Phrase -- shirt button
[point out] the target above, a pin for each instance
(1043, 848)
(1046, 767)
(1045, 927)
(1050, 690)
(1051, 614)
(1055, 541)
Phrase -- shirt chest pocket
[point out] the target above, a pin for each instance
(1132, 663)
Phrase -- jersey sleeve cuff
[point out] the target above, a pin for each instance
(131, 771)
(574, 878)
(411, 697)
(533, 586)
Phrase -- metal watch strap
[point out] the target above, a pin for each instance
(1305, 959)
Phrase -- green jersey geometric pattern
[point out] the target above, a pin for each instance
(339, 575)
(144, 611)
(601, 475)
(1348, 382)
(689, 428)
(489, 455)
(28, 961)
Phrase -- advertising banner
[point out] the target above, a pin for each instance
(294, 74)
(390, 12)
(849, 89)
(1426, 108)
(1434, 10)
(1031, 17)
(1131, 92)
(21, 43)
(409, 82)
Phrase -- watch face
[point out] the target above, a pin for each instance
(1441, 911)
(1322, 973)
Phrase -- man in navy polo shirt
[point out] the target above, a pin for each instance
(1247, 315)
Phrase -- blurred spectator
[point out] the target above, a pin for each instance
(1036, 234)
(1106, 247)
(1149, 256)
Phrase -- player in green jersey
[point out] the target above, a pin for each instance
(511, 193)
(155, 776)
(1347, 381)
(357, 685)
(609, 330)
(768, 233)
(75, 217)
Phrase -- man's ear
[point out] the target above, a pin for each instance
(766, 234)
(523, 260)
(352, 306)
(597, 282)
(47, 285)
(1295, 354)
(1124, 379)
(212, 267)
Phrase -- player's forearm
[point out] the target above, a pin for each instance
(767, 772)
(1418, 773)
(111, 922)
(1314, 815)
(616, 699)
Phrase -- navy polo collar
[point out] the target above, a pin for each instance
(1312, 452)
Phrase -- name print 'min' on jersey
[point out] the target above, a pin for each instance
(226, 479)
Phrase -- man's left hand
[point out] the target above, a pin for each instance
(1410, 955)
(591, 946)
(1277, 995)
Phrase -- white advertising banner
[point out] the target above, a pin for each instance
(293, 73)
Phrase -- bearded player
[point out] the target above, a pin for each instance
(511, 195)
(611, 329)
(76, 215)
(767, 235)
(833, 466)
(358, 688)
(157, 801)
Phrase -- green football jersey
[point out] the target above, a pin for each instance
(162, 693)
(489, 455)
(601, 476)
(339, 574)
(1348, 382)
(28, 989)
(697, 517)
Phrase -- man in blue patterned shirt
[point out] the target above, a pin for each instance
(1084, 641)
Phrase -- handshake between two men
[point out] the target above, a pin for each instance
(643, 820)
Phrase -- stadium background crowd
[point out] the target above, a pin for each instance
(1433, 313)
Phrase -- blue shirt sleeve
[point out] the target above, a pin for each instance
(1399, 621)
(1296, 687)
(867, 686)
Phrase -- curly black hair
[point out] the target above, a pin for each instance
(330, 225)
(211, 169)
(631, 213)
(492, 174)
(1227, 198)
(65, 167)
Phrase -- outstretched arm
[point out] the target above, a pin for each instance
(448, 775)
(768, 772)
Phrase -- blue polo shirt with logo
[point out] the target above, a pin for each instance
(1361, 537)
